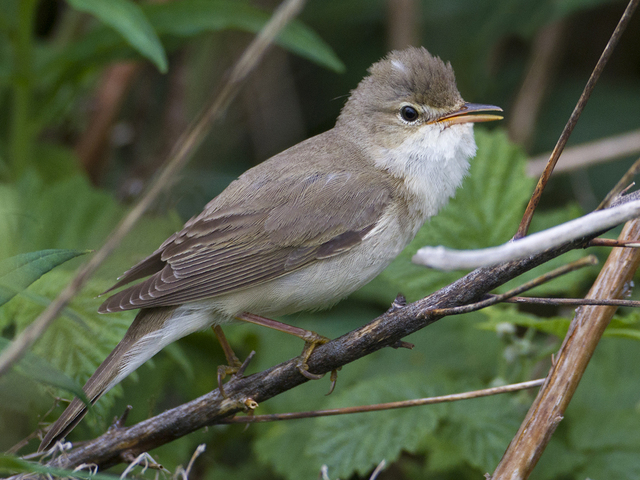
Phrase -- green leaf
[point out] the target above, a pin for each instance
(478, 432)
(358, 442)
(557, 326)
(618, 430)
(17, 273)
(622, 327)
(193, 17)
(618, 465)
(128, 19)
(184, 19)
(79, 340)
(11, 465)
(381, 435)
(40, 370)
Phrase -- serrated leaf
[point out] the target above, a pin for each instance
(40, 370)
(20, 271)
(478, 431)
(72, 346)
(128, 19)
(357, 443)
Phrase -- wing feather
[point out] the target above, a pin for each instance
(256, 231)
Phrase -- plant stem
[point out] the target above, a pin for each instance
(21, 132)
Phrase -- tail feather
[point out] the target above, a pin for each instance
(126, 357)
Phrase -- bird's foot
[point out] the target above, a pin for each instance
(311, 340)
(235, 368)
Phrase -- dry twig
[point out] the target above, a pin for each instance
(569, 364)
(573, 119)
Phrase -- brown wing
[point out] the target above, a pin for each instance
(256, 231)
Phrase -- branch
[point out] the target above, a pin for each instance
(386, 330)
(595, 222)
(569, 364)
(575, 115)
(454, 397)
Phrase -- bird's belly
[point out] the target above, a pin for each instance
(324, 282)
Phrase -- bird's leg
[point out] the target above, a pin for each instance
(233, 363)
(311, 340)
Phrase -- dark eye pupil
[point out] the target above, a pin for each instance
(408, 113)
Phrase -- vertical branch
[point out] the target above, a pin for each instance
(569, 364)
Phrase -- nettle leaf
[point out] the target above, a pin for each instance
(128, 19)
(477, 432)
(485, 212)
(356, 443)
(20, 271)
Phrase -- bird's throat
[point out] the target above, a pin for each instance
(431, 166)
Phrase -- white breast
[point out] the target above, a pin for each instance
(432, 164)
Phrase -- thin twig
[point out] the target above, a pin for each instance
(610, 242)
(386, 406)
(186, 145)
(573, 301)
(573, 119)
(622, 185)
(495, 299)
(599, 221)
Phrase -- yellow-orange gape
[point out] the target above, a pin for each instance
(306, 227)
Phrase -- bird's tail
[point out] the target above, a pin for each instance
(139, 344)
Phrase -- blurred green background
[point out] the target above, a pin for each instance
(94, 95)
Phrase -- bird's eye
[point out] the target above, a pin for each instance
(408, 113)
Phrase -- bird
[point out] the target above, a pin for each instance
(305, 228)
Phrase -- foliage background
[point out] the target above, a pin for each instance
(66, 179)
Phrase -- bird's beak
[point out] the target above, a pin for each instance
(469, 113)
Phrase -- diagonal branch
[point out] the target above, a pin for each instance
(575, 115)
(386, 330)
(569, 364)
